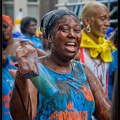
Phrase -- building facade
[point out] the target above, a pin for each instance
(18, 9)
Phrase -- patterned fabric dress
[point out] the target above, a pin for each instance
(74, 101)
(7, 87)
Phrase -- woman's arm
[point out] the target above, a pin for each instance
(23, 103)
(26, 88)
(41, 52)
(102, 103)
(114, 112)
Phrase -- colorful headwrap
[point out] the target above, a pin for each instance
(48, 21)
(8, 19)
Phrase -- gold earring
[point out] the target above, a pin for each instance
(88, 29)
(50, 40)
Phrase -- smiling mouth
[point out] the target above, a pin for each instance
(71, 47)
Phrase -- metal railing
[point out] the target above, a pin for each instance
(77, 6)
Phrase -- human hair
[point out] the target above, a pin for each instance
(89, 9)
(26, 22)
(48, 21)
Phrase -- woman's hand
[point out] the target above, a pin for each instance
(27, 60)
(24, 91)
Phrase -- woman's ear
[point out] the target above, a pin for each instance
(50, 38)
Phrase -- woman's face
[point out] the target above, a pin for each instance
(6, 31)
(100, 22)
(66, 37)
(31, 29)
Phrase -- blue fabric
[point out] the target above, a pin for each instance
(70, 100)
(4, 44)
(35, 40)
(109, 31)
(8, 65)
(112, 67)
(17, 35)
(7, 87)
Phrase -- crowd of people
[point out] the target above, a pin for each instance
(79, 62)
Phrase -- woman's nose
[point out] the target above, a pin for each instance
(71, 32)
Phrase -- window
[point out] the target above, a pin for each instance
(33, 11)
(8, 10)
(32, 0)
(7, 0)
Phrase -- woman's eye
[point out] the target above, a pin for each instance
(77, 30)
(102, 19)
(65, 29)
(5, 26)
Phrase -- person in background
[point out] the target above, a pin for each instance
(112, 35)
(12, 43)
(7, 83)
(95, 51)
(45, 43)
(110, 30)
(113, 66)
(79, 92)
(114, 115)
(44, 40)
(28, 29)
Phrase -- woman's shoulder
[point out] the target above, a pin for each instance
(80, 64)
(76, 63)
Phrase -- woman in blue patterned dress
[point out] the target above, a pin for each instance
(7, 83)
(79, 95)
